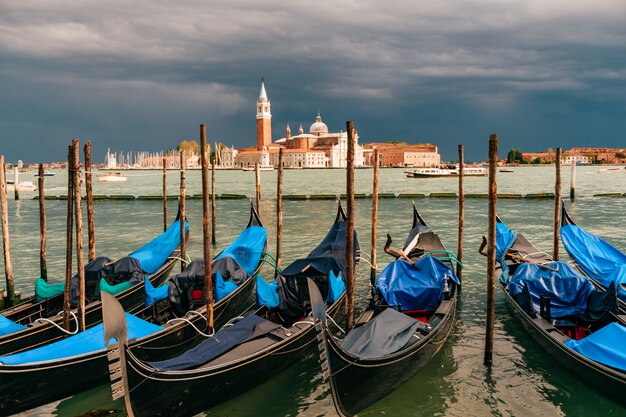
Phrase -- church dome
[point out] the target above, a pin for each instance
(318, 128)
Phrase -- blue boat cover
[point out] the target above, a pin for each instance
(154, 294)
(605, 346)
(248, 328)
(598, 258)
(8, 326)
(415, 286)
(223, 288)
(45, 290)
(91, 340)
(505, 238)
(567, 289)
(247, 249)
(336, 287)
(154, 254)
(266, 293)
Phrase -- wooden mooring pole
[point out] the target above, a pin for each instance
(572, 182)
(491, 250)
(257, 179)
(459, 249)
(6, 240)
(206, 244)
(279, 210)
(557, 207)
(213, 201)
(78, 219)
(374, 215)
(91, 227)
(164, 194)
(69, 239)
(43, 263)
(16, 182)
(350, 228)
(181, 210)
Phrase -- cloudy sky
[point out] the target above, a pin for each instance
(144, 74)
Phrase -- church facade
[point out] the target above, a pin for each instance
(318, 148)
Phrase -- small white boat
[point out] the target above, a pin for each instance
(447, 172)
(261, 168)
(111, 177)
(506, 170)
(24, 186)
(46, 174)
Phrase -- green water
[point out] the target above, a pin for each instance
(523, 381)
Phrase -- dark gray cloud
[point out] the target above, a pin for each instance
(144, 75)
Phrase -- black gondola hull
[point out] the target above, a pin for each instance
(25, 387)
(357, 384)
(605, 380)
(184, 394)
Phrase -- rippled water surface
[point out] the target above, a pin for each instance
(523, 381)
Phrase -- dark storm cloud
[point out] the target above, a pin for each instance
(143, 75)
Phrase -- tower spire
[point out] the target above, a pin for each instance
(262, 94)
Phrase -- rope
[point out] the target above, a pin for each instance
(368, 262)
(272, 265)
(336, 325)
(271, 257)
(452, 256)
(45, 320)
(185, 320)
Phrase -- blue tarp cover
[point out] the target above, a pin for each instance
(90, 340)
(221, 342)
(598, 258)
(154, 254)
(568, 289)
(266, 293)
(154, 294)
(336, 287)
(605, 346)
(414, 288)
(223, 288)
(505, 238)
(248, 248)
(9, 326)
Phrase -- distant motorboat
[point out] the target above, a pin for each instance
(111, 177)
(261, 168)
(446, 172)
(46, 174)
(609, 169)
(506, 170)
(24, 186)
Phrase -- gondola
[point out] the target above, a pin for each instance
(575, 322)
(408, 319)
(602, 262)
(266, 339)
(78, 363)
(37, 323)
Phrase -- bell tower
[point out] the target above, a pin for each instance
(263, 120)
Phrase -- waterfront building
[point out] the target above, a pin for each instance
(400, 154)
(580, 156)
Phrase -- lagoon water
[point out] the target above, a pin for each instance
(524, 380)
